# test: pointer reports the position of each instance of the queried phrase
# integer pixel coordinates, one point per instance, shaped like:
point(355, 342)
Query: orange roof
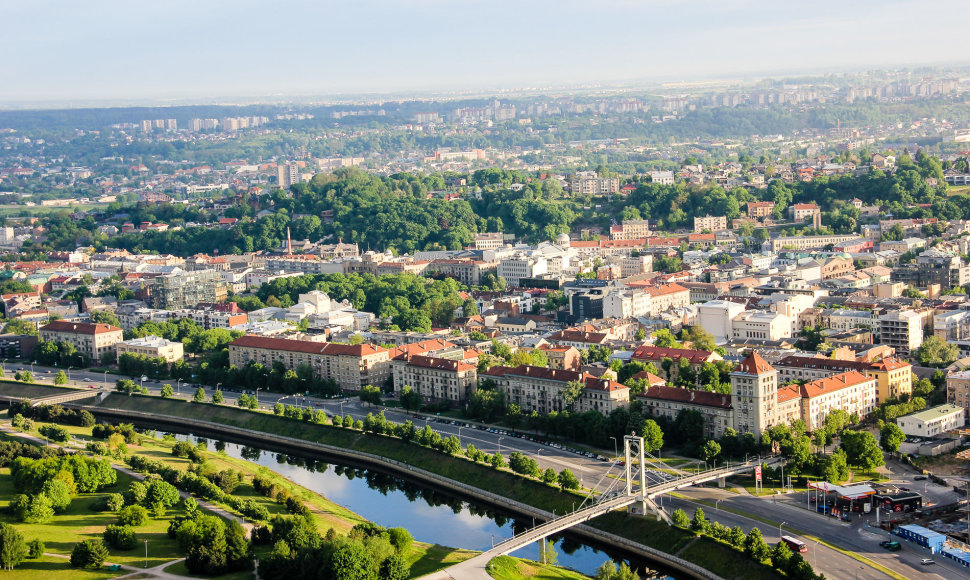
point(788, 393)
point(833, 383)
point(415, 348)
point(79, 327)
point(443, 364)
point(755, 365)
point(890, 364)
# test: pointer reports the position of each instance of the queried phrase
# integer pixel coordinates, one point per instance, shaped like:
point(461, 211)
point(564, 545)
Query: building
point(350, 366)
point(186, 289)
point(801, 212)
point(894, 378)
point(437, 379)
point(902, 330)
point(958, 389)
point(760, 209)
point(761, 325)
point(489, 240)
point(953, 325)
point(287, 174)
point(715, 408)
point(589, 183)
point(656, 355)
point(562, 357)
point(522, 265)
point(754, 393)
point(667, 297)
point(808, 242)
point(630, 230)
point(711, 223)
point(852, 392)
point(546, 390)
point(91, 340)
point(933, 421)
point(717, 317)
point(152, 347)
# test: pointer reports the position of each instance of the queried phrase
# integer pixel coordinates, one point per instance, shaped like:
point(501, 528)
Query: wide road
point(853, 536)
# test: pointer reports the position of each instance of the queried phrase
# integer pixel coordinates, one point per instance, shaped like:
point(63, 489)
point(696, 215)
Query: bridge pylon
point(633, 450)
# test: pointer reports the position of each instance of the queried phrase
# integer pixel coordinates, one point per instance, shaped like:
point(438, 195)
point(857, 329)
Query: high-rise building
point(187, 289)
point(754, 392)
point(287, 174)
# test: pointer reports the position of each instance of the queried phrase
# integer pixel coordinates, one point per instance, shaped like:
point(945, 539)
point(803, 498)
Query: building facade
point(92, 340)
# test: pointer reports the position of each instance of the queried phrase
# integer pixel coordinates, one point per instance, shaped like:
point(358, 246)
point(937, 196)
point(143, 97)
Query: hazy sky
point(125, 49)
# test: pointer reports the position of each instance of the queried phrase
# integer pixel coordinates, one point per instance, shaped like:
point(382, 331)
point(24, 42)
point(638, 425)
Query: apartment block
point(350, 366)
point(92, 340)
point(712, 223)
point(437, 379)
point(153, 347)
point(541, 389)
point(186, 289)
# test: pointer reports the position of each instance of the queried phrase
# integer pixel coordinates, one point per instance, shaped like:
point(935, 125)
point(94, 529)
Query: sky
point(113, 50)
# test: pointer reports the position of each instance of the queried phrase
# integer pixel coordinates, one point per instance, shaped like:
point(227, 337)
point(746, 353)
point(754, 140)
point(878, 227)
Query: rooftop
point(932, 413)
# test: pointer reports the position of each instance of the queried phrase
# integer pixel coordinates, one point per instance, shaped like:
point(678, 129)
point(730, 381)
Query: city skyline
point(113, 51)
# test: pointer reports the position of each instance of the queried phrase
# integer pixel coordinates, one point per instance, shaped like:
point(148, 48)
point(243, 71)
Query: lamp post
point(257, 397)
point(178, 387)
point(717, 503)
point(616, 448)
point(779, 529)
point(142, 385)
point(500, 445)
point(105, 382)
point(146, 553)
point(459, 434)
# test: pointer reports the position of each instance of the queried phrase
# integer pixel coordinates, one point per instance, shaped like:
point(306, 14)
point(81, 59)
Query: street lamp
point(142, 385)
point(257, 397)
point(500, 445)
point(779, 529)
point(459, 434)
point(178, 387)
point(105, 379)
point(146, 553)
point(616, 452)
point(716, 503)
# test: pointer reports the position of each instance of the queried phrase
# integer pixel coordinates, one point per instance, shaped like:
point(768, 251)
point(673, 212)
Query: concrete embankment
point(295, 446)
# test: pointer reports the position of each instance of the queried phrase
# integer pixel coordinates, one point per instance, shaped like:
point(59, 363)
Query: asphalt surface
point(859, 535)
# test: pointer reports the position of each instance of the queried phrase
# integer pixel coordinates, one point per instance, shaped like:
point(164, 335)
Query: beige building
point(152, 346)
point(350, 366)
point(852, 392)
point(808, 242)
point(540, 389)
point(709, 222)
point(958, 389)
point(754, 392)
point(488, 240)
point(437, 379)
point(761, 325)
point(715, 408)
point(894, 378)
point(92, 340)
point(630, 230)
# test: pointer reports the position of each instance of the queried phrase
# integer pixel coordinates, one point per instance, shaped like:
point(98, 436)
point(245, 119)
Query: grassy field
point(11, 388)
point(424, 558)
point(79, 522)
point(506, 568)
point(43, 568)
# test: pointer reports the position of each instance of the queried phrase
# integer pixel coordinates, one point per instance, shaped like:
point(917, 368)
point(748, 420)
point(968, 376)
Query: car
point(92, 387)
point(926, 562)
point(892, 546)
point(903, 488)
point(919, 478)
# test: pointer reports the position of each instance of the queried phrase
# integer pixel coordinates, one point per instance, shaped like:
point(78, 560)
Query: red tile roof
point(415, 348)
point(755, 365)
point(833, 383)
point(79, 327)
point(788, 393)
point(444, 364)
point(890, 364)
point(289, 345)
point(688, 396)
point(652, 353)
point(578, 336)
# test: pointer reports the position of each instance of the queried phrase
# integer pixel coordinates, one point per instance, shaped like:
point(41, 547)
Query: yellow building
point(894, 378)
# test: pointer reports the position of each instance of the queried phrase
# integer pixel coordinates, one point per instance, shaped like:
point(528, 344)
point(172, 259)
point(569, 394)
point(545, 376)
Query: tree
point(351, 561)
point(370, 394)
point(653, 437)
point(571, 392)
point(862, 449)
point(24, 376)
point(13, 549)
point(755, 546)
point(167, 392)
point(199, 396)
point(35, 549)
point(89, 554)
point(937, 352)
point(411, 400)
point(699, 522)
point(120, 537)
point(60, 378)
point(55, 433)
point(58, 493)
point(133, 515)
point(549, 476)
point(394, 567)
point(710, 450)
point(217, 397)
point(680, 518)
point(890, 437)
point(567, 480)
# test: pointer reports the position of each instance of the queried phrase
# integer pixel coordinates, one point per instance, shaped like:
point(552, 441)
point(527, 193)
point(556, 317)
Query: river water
point(431, 516)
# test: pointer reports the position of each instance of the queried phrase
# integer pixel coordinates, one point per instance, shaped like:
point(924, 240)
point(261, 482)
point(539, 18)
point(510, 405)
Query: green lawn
point(43, 568)
point(79, 523)
point(506, 568)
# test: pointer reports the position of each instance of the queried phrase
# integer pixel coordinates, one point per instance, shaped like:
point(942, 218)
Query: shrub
point(133, 515)
point(35, 549)
point(88, 554)
point(55, 433)
point(120, 537)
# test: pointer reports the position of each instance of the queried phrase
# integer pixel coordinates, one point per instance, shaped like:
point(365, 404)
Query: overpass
point(73, 395)
point(475, 568)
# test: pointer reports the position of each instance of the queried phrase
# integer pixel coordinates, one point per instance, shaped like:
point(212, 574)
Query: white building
point(522, 265)
point(717, 317)
point(761, 325)
point(933, 421)
point(902, 330)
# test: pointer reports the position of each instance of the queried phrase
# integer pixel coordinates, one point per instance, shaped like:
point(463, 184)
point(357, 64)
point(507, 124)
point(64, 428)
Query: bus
point(794, 545)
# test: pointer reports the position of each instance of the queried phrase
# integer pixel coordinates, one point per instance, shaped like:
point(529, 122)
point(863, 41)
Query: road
point(853, 536)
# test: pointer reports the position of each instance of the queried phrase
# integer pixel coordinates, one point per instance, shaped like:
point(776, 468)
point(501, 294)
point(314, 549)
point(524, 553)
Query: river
point(431, 516)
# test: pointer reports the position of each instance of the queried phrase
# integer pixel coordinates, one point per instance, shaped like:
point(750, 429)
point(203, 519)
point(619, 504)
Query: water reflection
point(430, 515)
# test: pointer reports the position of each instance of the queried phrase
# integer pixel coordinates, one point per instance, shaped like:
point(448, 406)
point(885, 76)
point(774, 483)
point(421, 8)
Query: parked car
point(892, 546)
point(919, 478)
point(926, 562)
